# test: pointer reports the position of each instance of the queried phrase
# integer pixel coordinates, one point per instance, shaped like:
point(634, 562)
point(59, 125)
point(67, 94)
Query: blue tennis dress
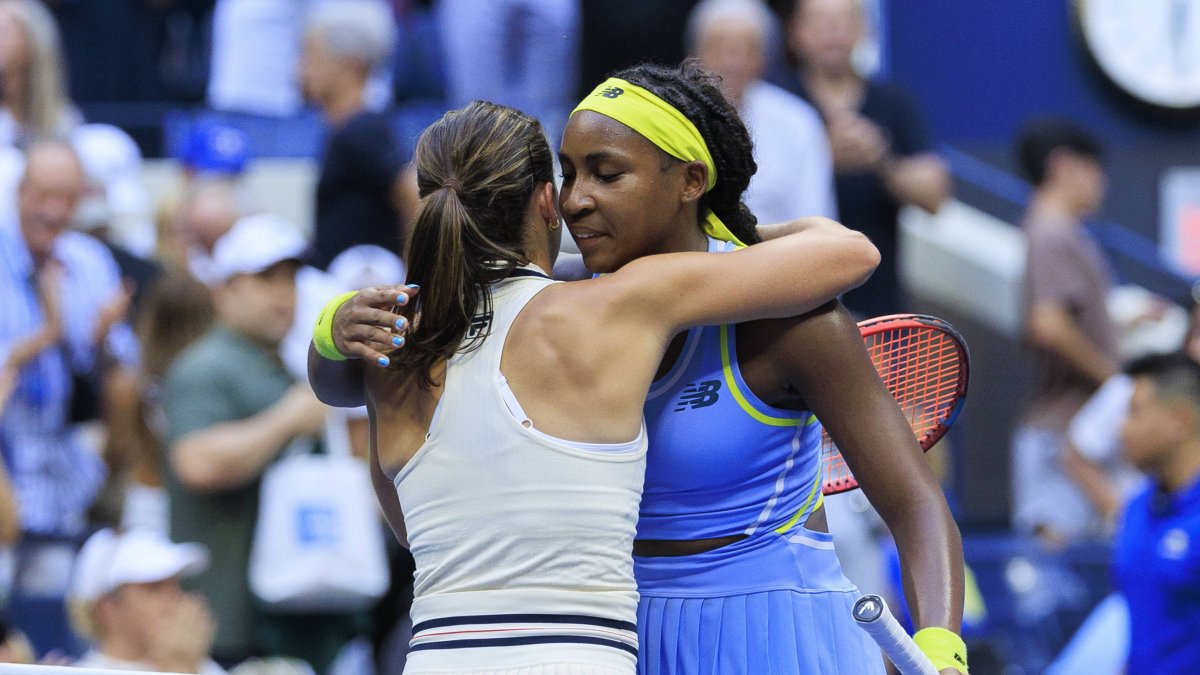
point(724, 463)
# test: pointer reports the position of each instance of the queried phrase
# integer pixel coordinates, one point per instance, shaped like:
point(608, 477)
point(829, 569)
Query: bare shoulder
point(577, 327)
point(789, 357)
point(402, 406)
point(579, 371)
point(796, 335)
point(559, 316)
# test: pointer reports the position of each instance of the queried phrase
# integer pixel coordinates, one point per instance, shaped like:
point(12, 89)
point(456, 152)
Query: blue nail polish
point(401, 323)
point(398, 341)
point(413, 286)
point(402, 299)
point(383, 361)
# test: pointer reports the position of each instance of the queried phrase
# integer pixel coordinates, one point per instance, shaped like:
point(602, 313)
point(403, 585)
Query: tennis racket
point(871, 614)
point(923, 362)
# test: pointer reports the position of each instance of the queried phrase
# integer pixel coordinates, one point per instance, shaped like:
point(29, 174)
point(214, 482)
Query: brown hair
point(177, 310)
point(477, 170)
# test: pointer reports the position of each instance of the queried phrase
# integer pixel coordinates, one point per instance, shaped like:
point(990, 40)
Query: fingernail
point(383, 361)
point(398, 341)
point(401, 299)
point(401, 323)
point(413, 286)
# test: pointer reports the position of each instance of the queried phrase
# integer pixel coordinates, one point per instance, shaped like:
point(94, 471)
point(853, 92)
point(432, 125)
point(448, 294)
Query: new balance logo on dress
point(698, 395)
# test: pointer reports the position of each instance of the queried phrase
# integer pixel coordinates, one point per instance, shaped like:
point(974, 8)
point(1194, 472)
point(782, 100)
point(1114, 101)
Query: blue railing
point(1118, 241)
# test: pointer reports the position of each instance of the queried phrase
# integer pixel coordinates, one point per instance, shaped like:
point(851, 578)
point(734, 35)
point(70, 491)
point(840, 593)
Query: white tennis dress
point(522, 541)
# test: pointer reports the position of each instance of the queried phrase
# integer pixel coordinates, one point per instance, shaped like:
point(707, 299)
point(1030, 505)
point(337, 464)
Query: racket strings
point(923, 368)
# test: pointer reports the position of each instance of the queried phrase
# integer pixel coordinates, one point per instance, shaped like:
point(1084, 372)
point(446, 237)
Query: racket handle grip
point(872, 615)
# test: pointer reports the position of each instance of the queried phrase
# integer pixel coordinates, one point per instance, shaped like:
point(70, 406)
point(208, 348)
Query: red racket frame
point(925, 365)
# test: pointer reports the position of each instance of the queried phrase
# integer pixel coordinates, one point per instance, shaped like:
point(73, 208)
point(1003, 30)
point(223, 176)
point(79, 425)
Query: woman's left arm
point(389, 502)
point(824, 359)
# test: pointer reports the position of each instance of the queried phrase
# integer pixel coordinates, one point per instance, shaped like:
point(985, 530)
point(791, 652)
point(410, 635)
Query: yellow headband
point(664, 126)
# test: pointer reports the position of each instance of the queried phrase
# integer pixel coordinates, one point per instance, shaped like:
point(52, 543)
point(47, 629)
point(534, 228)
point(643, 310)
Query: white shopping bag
point(318, 545)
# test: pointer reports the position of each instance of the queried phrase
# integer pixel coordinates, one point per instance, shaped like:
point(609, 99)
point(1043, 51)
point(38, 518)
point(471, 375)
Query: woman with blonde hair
point(32, 75)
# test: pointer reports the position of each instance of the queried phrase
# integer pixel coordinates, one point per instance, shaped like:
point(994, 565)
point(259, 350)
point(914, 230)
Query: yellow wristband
point(944, 648)
point(323, 330)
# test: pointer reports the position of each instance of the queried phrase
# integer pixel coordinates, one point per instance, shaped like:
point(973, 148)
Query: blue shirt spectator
point(55, 475)
point(1158, 570)
point(61, 321)
point(1157, 556)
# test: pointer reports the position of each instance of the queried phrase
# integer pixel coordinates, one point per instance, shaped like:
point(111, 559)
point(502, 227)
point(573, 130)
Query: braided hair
point(694, 91)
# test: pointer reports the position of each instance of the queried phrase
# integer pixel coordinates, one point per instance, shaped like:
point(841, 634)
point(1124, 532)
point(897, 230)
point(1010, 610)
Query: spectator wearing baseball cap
point(256, 244)
point(126, 597)
point(231, 407)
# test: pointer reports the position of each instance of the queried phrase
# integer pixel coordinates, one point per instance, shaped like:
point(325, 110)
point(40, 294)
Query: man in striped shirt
point(62, 311)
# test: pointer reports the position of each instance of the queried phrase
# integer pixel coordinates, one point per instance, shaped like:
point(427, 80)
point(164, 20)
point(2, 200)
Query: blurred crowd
point(153, 345)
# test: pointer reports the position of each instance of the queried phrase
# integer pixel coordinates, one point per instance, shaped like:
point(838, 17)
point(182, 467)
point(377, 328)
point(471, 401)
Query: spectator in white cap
point(126, 597)
point(231, 407)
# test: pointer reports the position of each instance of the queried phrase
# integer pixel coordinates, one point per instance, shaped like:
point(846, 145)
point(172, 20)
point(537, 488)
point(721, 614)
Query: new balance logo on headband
point(611, 92)
point(698, 395)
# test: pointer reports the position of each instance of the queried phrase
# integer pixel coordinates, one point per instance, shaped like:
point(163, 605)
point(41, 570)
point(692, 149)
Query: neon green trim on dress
point(731, 382)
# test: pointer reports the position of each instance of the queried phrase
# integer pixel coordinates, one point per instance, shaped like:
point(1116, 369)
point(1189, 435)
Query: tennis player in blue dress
point(734, 564)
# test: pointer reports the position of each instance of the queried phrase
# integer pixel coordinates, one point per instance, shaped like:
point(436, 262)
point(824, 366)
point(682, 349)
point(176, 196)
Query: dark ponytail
point(477, 170)
point(695, 92)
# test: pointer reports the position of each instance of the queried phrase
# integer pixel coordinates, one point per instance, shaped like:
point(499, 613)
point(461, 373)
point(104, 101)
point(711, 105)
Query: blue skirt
point(769, 604)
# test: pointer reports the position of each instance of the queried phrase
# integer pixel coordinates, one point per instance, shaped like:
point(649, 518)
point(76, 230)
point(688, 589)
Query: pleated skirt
point(770, 604)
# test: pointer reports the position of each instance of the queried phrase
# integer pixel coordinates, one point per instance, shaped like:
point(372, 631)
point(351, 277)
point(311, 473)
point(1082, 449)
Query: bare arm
point(827, 362)
point(783, 277)
point(920, 179)
point(336, 383)
point(231, 454)
point(364, 328)
point(1093, 480)
point(35, 343)
point(389, 501)
point(122, 409)
point(50, 334)
point(1050, 327)
point(10, 514)
point(769, 231)
point(790, 275)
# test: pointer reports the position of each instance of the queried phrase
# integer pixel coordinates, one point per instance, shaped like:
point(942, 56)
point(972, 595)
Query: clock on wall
point(1150, 49)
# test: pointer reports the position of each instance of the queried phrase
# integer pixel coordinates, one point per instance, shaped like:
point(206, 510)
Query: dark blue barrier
point(1035, 598)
